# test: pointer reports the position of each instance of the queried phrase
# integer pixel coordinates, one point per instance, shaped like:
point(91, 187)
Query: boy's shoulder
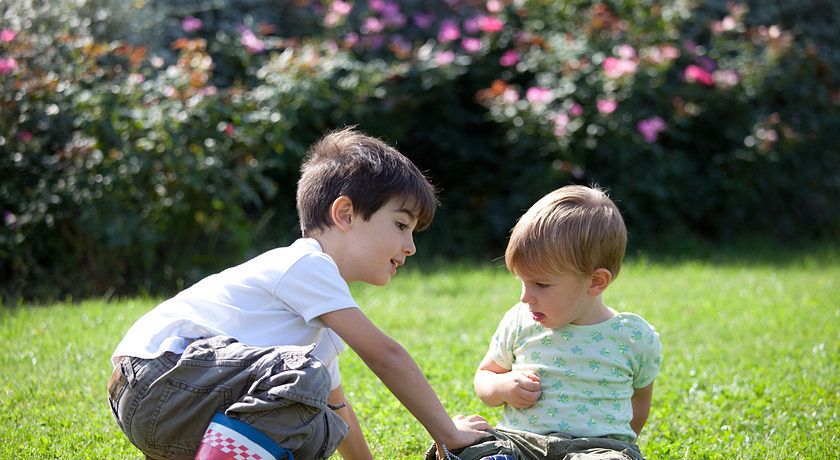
point(629, 318)
point(304, 254)
point(633, 324)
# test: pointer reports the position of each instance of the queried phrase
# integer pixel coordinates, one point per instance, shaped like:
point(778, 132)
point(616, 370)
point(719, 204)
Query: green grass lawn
point(751, 354)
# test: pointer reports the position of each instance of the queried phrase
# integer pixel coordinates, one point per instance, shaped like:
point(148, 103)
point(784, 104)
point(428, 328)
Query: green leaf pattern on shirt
point(588, 373)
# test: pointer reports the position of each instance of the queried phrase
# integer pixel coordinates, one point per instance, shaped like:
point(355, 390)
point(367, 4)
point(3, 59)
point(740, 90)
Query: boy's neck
point(595, 315)
point(331, 246)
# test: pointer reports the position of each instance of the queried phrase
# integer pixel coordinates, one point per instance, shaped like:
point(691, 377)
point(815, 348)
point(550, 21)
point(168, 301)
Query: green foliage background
point(137, 156)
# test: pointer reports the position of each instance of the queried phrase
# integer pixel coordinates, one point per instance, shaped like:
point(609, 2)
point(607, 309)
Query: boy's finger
point(531, 386)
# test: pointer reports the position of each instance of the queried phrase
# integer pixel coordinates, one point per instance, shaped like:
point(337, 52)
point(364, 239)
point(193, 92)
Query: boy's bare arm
point(354, 446)
point(398, 371)
point(641, 401)
point(496, 385)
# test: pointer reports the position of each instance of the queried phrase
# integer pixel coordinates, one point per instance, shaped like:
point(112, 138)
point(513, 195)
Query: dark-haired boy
point(245, 345)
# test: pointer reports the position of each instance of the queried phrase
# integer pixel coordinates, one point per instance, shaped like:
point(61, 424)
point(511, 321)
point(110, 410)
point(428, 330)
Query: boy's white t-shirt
point(273, 299)
point(587, 373)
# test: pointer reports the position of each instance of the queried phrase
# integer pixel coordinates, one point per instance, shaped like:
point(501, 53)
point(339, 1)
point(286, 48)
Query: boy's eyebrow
point(406, 211)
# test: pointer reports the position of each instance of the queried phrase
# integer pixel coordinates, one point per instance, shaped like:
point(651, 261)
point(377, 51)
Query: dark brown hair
point(365, 169)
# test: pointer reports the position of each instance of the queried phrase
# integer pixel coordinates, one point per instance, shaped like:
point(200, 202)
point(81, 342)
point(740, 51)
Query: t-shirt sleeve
point(501, 344)
point(650, 359)
point(313, 286)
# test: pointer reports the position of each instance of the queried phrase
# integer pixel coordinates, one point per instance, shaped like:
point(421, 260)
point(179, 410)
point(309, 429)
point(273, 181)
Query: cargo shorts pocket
point(182, 416)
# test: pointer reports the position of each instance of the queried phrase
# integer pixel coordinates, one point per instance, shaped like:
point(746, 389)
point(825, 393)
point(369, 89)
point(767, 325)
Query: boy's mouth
point(538, 317)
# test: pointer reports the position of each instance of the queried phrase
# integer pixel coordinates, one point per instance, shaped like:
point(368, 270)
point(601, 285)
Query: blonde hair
point(572, 229)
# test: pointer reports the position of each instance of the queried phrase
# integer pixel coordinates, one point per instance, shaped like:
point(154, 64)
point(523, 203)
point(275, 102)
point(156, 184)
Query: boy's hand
point(469, 429)
point(521, 389)
point(496, 385)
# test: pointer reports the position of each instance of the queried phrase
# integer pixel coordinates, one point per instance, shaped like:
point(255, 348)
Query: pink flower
point(135, 78)
point(449, 31)
point(7, 65)
point(377, 5)
point(9, 219)
point(471, 24)
point(341, 8)
point(490, 24)
point(510, 96)
point(444, 58)
point(471, 45)
point(606, 106)
point(576, 110)
point(494, 6)
point(626, 52)
point(389, 9)
point(24, 136)
point(191, 24)
point(616, 68)
point(229, 129)
point(560, 121)
point(697, 74)
point(251, 43)
point(373, 25)
point(509, 58)
point(662, 53)
point(332, 19)
point(7, 35)
point(538, 95)
point(651, 127)
point(726, 78)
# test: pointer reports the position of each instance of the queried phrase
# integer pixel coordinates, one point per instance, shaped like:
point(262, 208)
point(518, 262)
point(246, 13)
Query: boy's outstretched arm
point(641, 401)
point(354, 446)
point(398, 371)
point(496, 385)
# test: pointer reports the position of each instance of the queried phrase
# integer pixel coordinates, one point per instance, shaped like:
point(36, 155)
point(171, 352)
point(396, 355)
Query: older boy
point(575, 376)
point(248, 358)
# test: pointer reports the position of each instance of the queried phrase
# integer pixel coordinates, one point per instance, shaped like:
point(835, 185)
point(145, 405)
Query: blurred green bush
point(145, 144)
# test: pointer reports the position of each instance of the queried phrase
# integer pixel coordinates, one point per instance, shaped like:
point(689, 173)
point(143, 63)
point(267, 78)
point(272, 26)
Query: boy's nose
point(526, 296)
point(410, 249)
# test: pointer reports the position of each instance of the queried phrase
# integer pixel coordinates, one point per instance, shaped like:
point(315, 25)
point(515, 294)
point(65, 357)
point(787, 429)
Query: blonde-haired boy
point(575, 376)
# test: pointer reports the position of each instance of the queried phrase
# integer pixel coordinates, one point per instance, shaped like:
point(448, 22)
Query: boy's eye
point(402, 226)
point(541, 285)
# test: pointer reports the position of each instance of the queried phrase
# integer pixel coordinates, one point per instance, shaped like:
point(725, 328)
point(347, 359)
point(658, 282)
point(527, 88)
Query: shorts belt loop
point(128, 371)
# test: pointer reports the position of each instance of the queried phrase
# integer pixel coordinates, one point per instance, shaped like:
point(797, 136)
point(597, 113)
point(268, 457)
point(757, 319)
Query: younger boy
point(575, 376)
point(247, 358)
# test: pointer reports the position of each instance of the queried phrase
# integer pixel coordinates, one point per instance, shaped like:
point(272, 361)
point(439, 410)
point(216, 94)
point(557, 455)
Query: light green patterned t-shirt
point(587, 373)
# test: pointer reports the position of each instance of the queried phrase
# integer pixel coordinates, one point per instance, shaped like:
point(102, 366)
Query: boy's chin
point(381, 281)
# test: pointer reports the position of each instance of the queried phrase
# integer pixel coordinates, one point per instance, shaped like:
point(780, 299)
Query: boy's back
point(273, 299)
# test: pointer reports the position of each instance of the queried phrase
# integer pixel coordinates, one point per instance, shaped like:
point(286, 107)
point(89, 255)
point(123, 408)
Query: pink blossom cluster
point(651, 127)
point(191, 24)
point(7, 64)
point(251, 42)
point(625, 64)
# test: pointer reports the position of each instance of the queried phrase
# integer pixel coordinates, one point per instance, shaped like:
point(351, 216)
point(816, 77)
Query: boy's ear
point(599, 281)
point(341, 212)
